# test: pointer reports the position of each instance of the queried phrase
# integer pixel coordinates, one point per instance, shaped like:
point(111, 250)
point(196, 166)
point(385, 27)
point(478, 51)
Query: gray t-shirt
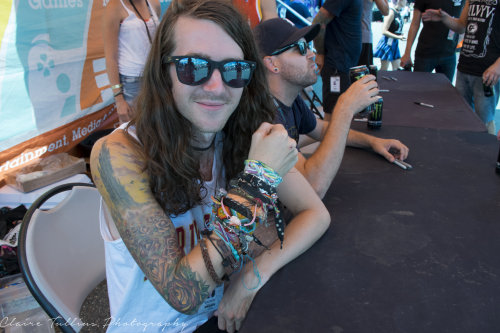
point(366, 22)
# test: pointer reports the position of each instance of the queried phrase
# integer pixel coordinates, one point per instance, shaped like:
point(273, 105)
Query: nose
point(215, 82)
point(311, 55)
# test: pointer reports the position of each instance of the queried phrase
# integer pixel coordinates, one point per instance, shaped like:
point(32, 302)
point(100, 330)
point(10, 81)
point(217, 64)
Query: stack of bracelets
point(117, 86)
point(234, 222)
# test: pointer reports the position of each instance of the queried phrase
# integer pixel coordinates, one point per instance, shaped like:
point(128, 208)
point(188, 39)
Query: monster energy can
point(356, 73)
point(375, 117)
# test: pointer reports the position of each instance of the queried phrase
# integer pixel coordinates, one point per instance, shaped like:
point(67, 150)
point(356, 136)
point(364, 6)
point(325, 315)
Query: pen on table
point(424, 104)
point(402, 165)
point(387, 78)
point(393, 78)
point(383, 90)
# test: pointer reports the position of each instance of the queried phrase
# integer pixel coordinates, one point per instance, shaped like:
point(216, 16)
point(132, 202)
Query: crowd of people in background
point(211, 114)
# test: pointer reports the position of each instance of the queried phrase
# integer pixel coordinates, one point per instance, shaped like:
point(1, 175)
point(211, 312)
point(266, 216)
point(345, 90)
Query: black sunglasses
point(303, 46)
point(194, 71)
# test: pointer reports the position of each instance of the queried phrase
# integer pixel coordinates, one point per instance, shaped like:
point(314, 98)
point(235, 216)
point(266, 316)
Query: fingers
point(490, 78)
point(230, 325)
point(272, 146)
point(403, 150)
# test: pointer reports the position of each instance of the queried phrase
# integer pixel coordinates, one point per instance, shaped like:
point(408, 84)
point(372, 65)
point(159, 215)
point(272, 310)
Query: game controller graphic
point(54, 82)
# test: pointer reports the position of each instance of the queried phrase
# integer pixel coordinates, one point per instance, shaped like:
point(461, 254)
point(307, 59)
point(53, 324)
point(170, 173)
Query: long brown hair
point(165, 135)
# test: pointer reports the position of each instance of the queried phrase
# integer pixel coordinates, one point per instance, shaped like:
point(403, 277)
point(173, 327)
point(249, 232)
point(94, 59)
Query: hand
point(406, 60)
point(360, 94)
point(402, 37)
point(492, 74)
point(236, 301)
point(272, 145)
point(320, 61)
point(123, 110)
point(434, 15)
point(383, 146)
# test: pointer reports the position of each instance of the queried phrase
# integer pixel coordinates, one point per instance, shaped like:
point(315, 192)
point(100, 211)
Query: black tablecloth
point(407, 251)
point(449, 112)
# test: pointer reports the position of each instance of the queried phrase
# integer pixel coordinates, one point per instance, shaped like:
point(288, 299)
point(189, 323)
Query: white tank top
point(135, 304)
point(133, 42)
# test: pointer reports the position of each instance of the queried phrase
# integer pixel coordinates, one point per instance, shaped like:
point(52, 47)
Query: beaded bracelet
point(208, 262)
point(263, 171)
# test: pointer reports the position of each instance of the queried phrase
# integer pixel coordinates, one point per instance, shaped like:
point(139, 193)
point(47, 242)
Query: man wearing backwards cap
point(290, 68)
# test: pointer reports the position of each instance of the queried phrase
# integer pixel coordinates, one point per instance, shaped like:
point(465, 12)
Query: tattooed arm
point(147, 232)
point(150, 236)
point(322, 18)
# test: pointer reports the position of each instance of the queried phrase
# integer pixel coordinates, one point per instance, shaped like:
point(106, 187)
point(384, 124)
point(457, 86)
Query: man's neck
point(283, 91)
point(202, 140)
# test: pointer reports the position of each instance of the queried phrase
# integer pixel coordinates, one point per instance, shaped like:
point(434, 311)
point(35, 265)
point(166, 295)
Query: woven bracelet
point(208, 262)
point(229, 262)
point(263, 172)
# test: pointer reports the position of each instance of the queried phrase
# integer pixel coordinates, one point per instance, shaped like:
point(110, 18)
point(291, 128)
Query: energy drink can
point(375, 117)
point(488, 91)
point(373, 70)
point(356, 73)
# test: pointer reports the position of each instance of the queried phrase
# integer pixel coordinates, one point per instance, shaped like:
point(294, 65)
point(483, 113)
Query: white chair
point(61, 253)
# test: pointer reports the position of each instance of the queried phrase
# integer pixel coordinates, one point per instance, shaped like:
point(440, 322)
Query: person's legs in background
point(447, 66)
point(384, 65)
point(424, 64)
point(471, 88)
point(395, 64)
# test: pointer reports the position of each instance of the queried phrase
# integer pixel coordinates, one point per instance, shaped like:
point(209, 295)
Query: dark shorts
point(330, 98)
point(366, 57)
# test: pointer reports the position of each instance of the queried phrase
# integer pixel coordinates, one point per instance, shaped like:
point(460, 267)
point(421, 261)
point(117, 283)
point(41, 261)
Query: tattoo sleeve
point(148, 233)
point(322, 18)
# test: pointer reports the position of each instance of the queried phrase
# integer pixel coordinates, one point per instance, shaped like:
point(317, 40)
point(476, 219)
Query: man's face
point(209, 105)
point(298, 69)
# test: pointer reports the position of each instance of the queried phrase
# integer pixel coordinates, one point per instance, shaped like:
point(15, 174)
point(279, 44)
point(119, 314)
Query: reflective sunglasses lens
point(302, 47)
point(237, 74)
point(193, 71)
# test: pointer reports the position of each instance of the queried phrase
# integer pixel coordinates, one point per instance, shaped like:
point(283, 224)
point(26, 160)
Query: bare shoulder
point(118, 172)
point(114, 11)
point(156, 6)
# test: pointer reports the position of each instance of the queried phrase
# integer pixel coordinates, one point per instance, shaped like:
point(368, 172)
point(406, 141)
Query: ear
point(271, 63)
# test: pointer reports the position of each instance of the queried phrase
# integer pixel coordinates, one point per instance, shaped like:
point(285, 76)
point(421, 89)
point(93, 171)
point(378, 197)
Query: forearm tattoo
point(147, 232)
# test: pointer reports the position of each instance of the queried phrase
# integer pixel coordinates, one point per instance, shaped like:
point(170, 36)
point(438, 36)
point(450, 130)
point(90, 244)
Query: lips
point(211, 105)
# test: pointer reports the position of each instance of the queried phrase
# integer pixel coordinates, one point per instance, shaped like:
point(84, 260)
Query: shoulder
point(115, 153)
point(114, 11)
point(156, 6)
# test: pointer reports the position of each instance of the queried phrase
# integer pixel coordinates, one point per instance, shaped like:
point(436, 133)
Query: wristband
point(208, 262)
point(116, 86)
point(118, 93)
point(263, 171)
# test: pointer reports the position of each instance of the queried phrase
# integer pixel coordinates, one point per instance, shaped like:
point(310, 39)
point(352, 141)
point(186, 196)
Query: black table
point(449, 112)
point(408, 251)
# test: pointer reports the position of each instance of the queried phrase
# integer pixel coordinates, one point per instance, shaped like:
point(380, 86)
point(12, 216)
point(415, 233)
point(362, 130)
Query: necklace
point(143, 20)
point(205, 148)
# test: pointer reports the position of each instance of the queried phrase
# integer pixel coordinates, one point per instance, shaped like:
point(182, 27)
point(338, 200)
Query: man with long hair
point(290, 68)
point(200, 156)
